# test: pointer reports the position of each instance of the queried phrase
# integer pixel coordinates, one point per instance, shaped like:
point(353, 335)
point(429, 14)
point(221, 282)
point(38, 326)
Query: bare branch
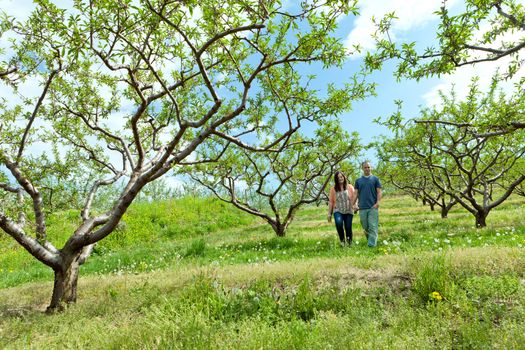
point(8, 188)
point(46, 256)
point(510, 17)
point(33, 115)
point(493, 58)
point(35, 195)
point(5, 73)
point(84, 214)
point(459, 125)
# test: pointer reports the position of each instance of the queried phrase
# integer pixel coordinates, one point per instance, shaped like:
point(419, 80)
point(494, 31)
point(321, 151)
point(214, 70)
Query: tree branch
point(33, 115)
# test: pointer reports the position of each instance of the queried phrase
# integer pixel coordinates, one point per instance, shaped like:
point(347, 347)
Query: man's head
point(367, 168)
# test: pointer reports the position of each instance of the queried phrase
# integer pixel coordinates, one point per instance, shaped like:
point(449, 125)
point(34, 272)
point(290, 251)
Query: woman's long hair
point(337, 186)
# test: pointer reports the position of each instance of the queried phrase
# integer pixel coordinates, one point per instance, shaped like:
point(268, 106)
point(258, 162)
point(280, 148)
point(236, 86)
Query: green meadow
point(195, 273)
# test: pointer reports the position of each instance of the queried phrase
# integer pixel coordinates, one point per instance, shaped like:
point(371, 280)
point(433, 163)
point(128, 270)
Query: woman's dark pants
point(343, 224)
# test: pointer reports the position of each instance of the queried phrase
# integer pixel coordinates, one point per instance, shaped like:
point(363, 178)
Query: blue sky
point(416, 22)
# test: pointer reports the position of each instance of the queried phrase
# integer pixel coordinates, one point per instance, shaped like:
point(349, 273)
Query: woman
point(340, 205)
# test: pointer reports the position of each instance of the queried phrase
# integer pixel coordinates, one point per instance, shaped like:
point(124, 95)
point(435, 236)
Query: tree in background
point(128, 90)
point(274, 185)
point(463, 161)
point(517, 170)
point(406, 173)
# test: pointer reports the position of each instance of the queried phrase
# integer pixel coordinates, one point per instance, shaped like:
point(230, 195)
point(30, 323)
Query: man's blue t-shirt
point(367, 187)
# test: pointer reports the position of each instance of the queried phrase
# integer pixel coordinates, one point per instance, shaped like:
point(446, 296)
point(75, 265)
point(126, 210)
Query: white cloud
point(19, 9)
point(462, 77)
point(30, 88)
point(411, 14)
point(173, 182)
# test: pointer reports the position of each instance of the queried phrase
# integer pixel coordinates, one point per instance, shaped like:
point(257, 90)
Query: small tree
point(407, 173)
point(131, 89)
point(273, 186)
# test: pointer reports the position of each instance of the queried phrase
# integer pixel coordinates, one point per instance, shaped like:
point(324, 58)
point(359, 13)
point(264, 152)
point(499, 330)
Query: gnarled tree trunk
point(481, 218)
point(279, 227)
point(65, 285)
point(444, 212)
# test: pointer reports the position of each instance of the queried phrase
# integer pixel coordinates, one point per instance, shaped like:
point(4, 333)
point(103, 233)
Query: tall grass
point(431, 283)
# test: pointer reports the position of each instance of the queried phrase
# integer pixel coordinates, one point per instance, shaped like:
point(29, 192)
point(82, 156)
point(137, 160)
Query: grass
point(169, 283)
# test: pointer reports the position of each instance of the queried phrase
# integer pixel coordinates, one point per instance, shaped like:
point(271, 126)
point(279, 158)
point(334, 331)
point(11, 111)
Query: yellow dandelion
point(436, 296)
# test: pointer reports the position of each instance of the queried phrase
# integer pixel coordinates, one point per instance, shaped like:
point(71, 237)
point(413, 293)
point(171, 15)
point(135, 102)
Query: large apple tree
point(122, 92)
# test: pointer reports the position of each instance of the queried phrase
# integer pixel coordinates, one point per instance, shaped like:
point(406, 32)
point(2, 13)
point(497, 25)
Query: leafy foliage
point(485, 30)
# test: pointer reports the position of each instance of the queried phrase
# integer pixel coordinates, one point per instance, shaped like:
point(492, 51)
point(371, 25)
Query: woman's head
point(340, 181)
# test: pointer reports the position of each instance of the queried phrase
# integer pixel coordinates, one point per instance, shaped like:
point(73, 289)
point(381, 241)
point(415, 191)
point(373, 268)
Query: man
point(368, 192)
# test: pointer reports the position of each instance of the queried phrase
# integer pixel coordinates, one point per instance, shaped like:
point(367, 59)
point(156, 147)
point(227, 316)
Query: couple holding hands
point(344, 200)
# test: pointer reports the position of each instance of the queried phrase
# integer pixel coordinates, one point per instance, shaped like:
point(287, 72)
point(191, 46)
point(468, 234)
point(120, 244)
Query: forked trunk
point(65, 287)
point(279, 228)
point(481, 219)
point(281, 232)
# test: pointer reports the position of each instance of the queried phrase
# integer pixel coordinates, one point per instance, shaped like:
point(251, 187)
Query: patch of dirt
point(363, 278)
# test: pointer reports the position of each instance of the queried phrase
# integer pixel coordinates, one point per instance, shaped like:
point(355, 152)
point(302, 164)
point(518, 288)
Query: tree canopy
point(483, 31)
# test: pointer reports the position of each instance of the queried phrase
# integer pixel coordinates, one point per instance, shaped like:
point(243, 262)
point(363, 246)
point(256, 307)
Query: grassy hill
point(194, 273)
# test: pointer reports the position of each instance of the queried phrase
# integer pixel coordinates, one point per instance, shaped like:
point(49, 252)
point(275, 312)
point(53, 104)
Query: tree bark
point(481, 218)
point(65, 286)
point(444, 212)
point(279, 228)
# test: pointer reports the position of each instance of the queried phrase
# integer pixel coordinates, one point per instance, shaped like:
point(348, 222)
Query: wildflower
point(436, 296)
